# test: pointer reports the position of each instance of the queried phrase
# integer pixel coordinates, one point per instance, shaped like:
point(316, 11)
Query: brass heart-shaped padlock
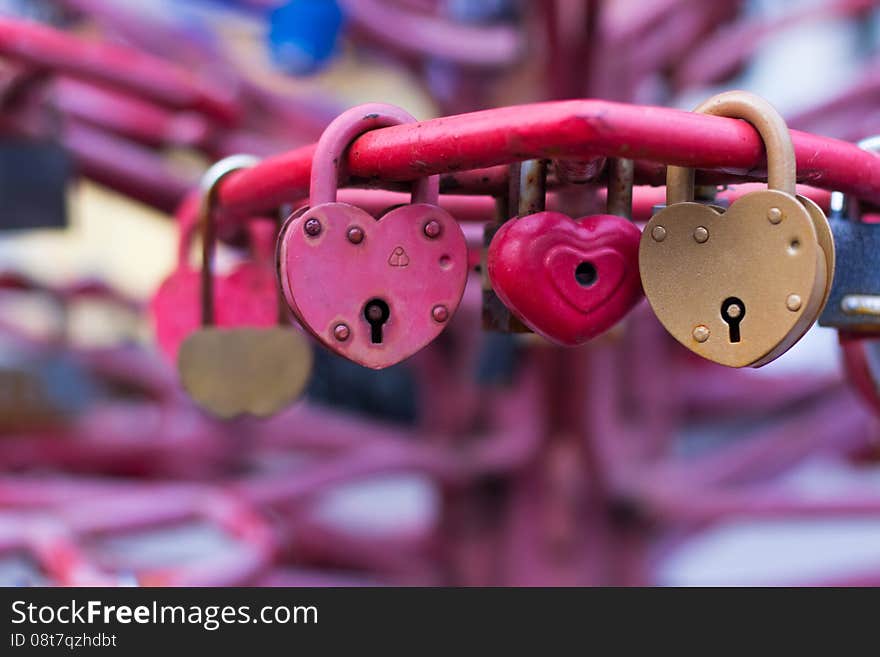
point(739, 287)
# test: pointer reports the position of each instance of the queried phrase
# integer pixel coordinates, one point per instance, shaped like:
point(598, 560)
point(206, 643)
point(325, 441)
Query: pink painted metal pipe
point(157, 506)
point(117, 66)
point(129, 116)
point(566, 129)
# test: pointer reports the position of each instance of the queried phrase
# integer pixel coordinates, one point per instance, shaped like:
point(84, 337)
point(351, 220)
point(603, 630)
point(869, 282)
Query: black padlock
point(854, 303)
point(34, 177)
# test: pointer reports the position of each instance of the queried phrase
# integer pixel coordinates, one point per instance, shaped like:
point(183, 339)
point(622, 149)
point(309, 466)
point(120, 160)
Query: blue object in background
point(483, 12)
point(303, 34)
point(67, 385)
point(41, 387)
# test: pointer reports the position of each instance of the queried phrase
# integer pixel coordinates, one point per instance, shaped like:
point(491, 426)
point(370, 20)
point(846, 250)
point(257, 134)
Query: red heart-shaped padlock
point(566, 279)
point(247, 295)
point(373, 291)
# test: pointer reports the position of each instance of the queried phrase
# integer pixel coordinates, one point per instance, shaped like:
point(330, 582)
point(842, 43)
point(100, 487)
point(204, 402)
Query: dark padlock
point(34, 179)
point(854, 303)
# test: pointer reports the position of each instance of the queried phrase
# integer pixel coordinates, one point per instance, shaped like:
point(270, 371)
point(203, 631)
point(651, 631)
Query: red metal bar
point(130, 116)
point(567, 129)
point(120, 67)
point(124, 166)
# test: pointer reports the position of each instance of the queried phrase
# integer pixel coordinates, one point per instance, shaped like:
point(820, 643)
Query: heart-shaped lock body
point(247, 294)
point(697, 264)
point(373, 291)
point(742, 286)
point(568, 280)
point(244, 370)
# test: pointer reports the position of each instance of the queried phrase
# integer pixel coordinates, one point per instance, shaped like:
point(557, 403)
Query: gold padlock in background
point(739, 287)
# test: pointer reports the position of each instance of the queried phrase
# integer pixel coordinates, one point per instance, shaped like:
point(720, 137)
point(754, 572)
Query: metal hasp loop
point(208, 185)
point(781, 161)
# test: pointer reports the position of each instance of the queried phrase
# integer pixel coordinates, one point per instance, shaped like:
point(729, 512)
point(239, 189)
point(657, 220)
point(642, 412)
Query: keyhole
point(585, 274)
point(732, 311)
point(376, 312)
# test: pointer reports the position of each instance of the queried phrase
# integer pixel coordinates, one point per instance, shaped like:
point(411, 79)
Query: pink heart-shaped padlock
point(373, 291)
point(568, 280)
point(246, 296)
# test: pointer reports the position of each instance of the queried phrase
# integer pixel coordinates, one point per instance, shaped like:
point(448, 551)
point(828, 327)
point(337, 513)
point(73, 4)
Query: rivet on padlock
point(240, 370)
point(854, 303)
point(741, 286)
point(373, 291)
point(570, 279)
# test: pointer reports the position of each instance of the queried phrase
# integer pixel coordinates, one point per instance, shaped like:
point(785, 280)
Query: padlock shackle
point(781, 161)
point(338, 136)
point(188, 217)
point(208, 186)
point(528, 182)
point(619, 197)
